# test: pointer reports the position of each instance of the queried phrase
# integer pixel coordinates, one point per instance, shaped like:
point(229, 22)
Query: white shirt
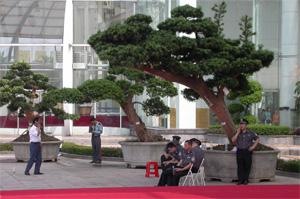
point(33, 134)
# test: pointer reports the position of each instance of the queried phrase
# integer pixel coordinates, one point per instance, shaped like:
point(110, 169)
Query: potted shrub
point(207, 63)
point(123, 90)
point(21, 90)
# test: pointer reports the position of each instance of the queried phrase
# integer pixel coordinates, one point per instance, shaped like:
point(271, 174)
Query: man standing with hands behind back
point(96, 129)
point(245, 141)
point(35, 148)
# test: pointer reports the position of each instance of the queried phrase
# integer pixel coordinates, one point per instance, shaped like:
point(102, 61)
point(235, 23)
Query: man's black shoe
point(92, 161)
point(39, 173)
point(27, 174)
point(245, 182)
point(239, 183)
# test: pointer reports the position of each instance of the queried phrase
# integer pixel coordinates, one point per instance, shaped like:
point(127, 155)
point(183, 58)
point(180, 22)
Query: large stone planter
point(139, 153)
point(296, 139)
point(185, 134)
point(222, 165)
point(50, 150)
point(270, 140)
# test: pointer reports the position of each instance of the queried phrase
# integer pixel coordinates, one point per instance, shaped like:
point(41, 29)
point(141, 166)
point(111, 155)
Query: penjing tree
point(188, 49)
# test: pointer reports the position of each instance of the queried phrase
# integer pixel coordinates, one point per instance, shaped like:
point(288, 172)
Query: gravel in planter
point(25, 137)
point(260, 147)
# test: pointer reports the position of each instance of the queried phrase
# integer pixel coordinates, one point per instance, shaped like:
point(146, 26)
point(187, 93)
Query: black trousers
point(96, 146)
point(166, 177)
point(244, 162)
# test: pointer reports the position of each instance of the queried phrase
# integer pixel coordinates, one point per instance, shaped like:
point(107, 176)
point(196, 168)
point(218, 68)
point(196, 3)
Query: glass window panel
point(31, 19)
point(46, 60)
point(91, 16)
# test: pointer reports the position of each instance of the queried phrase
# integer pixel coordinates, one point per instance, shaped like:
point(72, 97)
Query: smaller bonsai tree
point(18, 90)
point(297, 96)
point(132, 83)
point(241, 102)
point(22, 91)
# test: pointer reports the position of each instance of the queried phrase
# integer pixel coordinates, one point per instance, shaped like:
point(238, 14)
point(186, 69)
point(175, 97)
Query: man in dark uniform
point(198, 153)
point(96, 129)
point(187, 160)
point(245, 141)
point(179, 148)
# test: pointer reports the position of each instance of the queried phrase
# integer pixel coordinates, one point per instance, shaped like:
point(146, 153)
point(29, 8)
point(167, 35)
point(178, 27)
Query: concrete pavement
point(79, 173)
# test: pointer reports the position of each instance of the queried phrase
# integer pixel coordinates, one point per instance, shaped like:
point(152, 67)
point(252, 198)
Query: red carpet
point(261, 191)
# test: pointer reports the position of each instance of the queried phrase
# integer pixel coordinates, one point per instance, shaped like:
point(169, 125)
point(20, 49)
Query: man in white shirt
point(35, 148)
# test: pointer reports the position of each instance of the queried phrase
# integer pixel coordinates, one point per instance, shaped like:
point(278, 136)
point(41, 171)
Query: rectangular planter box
point(50, 150)
point(222, 165)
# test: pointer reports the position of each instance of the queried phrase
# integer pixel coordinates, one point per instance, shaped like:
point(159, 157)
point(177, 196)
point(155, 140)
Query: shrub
point(72, 148)
point(260, 129)
point(235, 108)
point(251, 119)
point(6, 147)
point(288, 165)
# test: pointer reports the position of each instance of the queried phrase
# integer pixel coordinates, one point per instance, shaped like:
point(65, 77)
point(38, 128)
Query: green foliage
point(243, 99)
point(253, 95)
point(246, 29)
point(133, 82)
point(100, 89)
point(260, 129)
point(172, 55)
point(297, 93)
point(6, 147)
point(227, 61)
point(72, 148)
point(220, 10)
point(235, 108)
point(18, 90)
point(288, 165)
point(155, 106)
point(251, 119)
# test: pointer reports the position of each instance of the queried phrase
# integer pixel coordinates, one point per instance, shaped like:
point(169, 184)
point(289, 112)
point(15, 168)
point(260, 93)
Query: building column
point(288, 58)
point(67, 69)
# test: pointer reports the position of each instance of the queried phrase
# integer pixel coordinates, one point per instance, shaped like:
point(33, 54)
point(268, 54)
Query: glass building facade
point(51, 35)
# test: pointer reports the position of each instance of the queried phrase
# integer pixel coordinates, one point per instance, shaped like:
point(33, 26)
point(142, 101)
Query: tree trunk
point(138, 125)
point(215, 101)
point(223, 116)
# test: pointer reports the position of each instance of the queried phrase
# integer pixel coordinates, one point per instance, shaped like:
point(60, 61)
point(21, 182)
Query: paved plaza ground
point(79, 173)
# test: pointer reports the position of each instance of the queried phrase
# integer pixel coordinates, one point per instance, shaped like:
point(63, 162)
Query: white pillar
point(68, 61)
point(288, 58)
point(185, 110)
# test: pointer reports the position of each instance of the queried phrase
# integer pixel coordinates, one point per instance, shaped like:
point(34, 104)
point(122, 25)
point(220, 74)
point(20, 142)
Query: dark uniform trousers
point(35, 156)
point(96, 146)
point(244, 162)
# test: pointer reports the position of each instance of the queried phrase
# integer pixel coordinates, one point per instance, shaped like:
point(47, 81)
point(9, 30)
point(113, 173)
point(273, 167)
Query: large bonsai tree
point(189, 49)
point(21, 90)
point(130, 83)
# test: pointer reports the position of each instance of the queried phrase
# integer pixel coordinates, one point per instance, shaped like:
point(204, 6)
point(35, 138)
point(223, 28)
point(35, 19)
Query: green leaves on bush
point(288, 165)
point(235, 108)
point(260, 129)
point(72, 148)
